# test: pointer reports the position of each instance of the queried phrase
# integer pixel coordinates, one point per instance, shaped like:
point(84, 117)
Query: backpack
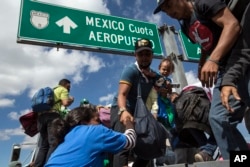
point(192, 106)
point(151, 135)
point(43, 99)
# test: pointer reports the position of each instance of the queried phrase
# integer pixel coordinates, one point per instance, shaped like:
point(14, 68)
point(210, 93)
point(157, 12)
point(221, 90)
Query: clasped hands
point(126, 118)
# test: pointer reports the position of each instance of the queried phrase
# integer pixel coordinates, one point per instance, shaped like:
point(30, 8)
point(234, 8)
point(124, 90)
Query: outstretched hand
point(226, 91)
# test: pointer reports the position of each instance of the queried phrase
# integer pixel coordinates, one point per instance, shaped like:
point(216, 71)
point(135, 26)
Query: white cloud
point(29, 142)
point(7, 133)
point(25, 66)
point(157, 19)
point(4, 136)
point(13, 115)
point(99, 6)
point(191, 77)
point(107, 99)
point(6, 102)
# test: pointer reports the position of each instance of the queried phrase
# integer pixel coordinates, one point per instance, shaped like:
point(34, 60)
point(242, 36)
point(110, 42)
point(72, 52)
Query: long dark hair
point(77, 116)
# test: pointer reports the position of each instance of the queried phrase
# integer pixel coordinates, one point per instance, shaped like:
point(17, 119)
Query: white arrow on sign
point(67, 23)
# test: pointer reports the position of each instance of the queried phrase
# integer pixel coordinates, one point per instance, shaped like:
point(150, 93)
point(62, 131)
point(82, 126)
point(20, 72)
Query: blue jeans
point(223, 123)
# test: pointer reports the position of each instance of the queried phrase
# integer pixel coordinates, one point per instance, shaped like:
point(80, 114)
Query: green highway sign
point(51, 25)
point(191, 50)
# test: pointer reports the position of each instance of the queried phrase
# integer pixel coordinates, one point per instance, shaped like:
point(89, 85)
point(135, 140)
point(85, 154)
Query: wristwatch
point(121, 110)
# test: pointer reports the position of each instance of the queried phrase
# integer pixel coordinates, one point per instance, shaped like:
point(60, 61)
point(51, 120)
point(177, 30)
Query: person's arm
point(238, 66)
point(129, 133)
point(238, 63)
point(124, 88)
point(68, 101)
point(230, 32)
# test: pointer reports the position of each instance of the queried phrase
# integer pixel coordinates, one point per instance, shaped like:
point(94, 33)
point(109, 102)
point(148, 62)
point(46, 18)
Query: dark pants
point(46, 138)
point(192, 137)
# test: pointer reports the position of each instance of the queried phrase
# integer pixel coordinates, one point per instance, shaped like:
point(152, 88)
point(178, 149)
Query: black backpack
point(151, 135)
point(192, 106)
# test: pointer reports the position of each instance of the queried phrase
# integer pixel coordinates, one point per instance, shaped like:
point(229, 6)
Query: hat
point(84, 102)
point(143, 44)
point(158, 8)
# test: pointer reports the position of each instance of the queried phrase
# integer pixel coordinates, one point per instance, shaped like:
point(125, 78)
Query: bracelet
point(121, 110)
point(214, 61)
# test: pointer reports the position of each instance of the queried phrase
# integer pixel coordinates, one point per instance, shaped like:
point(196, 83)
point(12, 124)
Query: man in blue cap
point(123, 105)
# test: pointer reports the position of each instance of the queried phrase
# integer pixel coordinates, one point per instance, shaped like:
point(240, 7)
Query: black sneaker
point(203, 156)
